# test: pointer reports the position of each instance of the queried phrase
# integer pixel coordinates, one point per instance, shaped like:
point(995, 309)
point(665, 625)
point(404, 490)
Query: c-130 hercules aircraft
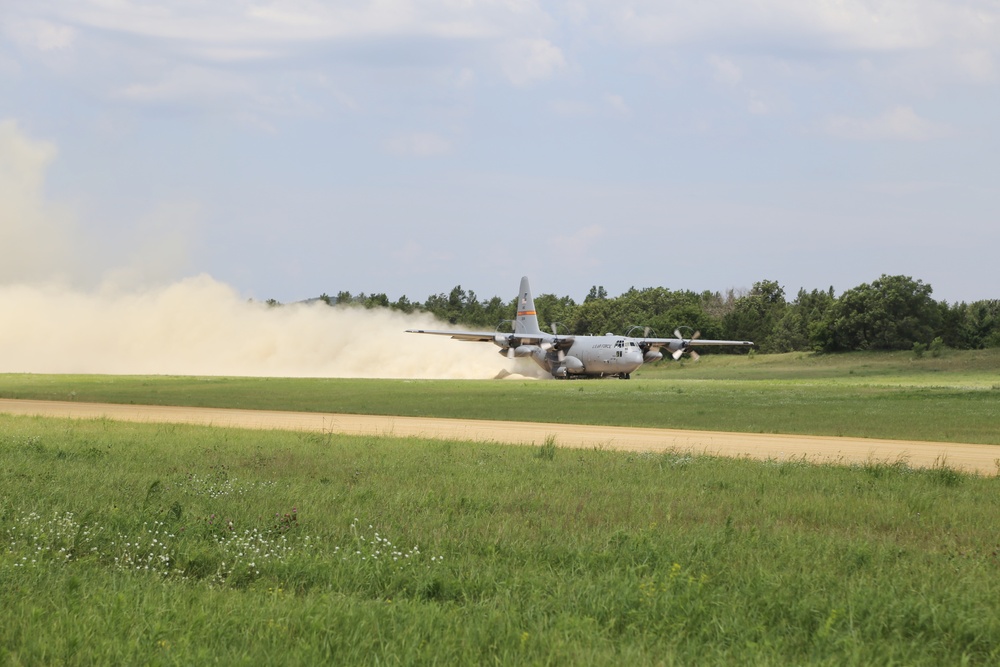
point(566, 356)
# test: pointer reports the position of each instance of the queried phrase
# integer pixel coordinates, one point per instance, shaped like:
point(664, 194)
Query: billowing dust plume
point(63, 310)
point(199, 326)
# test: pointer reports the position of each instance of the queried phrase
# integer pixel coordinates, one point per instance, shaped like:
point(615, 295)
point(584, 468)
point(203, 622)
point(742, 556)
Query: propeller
point(505, 341)
point(685, 346)
point(548, 345)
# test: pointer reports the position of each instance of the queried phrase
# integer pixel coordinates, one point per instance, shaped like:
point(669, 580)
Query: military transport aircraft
point(566, 356)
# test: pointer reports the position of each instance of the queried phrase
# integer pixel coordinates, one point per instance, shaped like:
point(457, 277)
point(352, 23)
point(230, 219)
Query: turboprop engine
point(568, 366)
point(527, 351)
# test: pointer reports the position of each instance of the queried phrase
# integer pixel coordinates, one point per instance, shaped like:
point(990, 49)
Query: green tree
point(376, 301)
point(403, 304)
point(805, 319)
point(458, 306)
point(552, 309)
point(596, 292)
point(496, 310)
point(892, 313)
point(594, 316)
point(971, 326)
point(755, 317)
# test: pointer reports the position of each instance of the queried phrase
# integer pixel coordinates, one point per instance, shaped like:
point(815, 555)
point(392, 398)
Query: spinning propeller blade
point(548, 345)
point(685, 346)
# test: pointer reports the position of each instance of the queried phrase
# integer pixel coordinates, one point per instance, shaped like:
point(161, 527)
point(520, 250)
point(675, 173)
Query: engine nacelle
point(652, 355)
point(503, 340)
point(568, 366)
point(527, 350)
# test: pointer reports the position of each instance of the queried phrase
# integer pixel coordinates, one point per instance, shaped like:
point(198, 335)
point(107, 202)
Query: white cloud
point(527, 61)
point(900, 124)
point(824, 24)
point(913, 45)
point(254, 25)
point(170, 51)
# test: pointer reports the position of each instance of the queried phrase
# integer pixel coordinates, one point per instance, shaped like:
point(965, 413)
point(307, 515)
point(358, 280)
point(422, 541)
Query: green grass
point(163, 544)
point(953, 398)
point(961, 369)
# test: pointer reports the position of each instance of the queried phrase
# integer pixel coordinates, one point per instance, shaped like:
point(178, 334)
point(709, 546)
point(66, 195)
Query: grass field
point(161, 544)
point(955, 398)
point(145, 544)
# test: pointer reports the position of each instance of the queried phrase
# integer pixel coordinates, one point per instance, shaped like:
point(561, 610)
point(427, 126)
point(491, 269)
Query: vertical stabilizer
point(527, 319)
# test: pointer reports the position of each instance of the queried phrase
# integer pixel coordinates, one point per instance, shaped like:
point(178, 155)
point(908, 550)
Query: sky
point(287, 148)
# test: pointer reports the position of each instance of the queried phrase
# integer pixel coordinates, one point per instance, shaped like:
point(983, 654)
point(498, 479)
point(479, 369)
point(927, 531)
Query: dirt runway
point(982, 459)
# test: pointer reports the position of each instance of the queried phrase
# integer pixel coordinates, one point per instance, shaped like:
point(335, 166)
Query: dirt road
point(982, 459)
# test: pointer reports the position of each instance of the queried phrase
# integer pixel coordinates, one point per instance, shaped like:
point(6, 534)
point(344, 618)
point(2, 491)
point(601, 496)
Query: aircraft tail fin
point(527, 319)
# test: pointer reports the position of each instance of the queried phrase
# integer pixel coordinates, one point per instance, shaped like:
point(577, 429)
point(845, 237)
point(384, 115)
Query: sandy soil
point(982, 459)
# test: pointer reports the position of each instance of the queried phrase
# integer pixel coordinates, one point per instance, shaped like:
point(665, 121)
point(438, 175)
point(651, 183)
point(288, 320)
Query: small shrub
point(919, 349)
point(937, 347)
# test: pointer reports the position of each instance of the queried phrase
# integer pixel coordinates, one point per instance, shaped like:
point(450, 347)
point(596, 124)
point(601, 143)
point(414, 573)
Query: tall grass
point(130, 544)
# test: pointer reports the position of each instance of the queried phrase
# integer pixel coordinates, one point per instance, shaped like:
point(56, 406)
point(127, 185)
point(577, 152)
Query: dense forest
point(891, 313)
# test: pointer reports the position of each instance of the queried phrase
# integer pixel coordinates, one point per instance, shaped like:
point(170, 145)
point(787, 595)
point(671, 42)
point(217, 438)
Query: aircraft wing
point(674, 342)
point(495, 336)
point(472, 336)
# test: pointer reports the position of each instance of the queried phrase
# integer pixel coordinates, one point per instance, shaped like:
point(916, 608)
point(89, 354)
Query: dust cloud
point(64, 310)
point(199, 326)
point(36, 239)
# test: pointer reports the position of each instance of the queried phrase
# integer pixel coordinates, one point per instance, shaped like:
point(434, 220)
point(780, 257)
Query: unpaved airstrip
point(982, 459)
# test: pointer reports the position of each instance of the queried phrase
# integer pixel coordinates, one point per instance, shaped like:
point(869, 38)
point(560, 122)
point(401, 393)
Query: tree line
point(891, 313)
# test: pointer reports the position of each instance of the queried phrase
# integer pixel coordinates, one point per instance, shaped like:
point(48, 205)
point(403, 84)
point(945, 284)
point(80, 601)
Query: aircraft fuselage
point(596, 356)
